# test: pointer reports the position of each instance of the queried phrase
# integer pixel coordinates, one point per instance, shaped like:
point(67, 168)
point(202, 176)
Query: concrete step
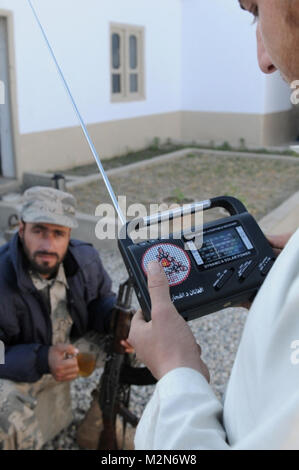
point(8, 185)
point(284, 218)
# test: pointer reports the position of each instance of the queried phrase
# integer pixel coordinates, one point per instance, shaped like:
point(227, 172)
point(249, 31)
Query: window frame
point(125, 31)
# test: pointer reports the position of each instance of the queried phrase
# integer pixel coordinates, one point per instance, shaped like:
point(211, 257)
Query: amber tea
point(86, 363)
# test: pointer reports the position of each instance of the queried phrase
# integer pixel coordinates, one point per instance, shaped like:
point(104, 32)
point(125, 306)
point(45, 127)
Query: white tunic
point(261, 406)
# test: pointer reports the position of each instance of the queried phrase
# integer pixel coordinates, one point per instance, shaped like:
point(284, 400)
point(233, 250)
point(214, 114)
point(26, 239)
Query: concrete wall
point(225, 96)
point(220, 71)
point(79, 33)
point(202, 80)
point(67, 147)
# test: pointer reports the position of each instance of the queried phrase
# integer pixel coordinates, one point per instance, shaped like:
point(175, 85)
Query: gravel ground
point(261, 184)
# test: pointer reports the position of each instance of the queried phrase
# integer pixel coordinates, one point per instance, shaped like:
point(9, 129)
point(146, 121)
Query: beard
point(43, 267)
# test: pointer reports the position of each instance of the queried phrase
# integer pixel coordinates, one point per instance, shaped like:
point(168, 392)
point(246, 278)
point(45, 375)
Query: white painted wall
point(79, 33)
point(220, 68)
point(199, 56)
point(277, 95)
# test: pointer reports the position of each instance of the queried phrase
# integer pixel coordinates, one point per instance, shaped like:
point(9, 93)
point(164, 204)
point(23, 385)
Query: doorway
point(7, 166)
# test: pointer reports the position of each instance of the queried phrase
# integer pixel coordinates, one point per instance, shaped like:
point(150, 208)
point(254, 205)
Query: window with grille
point(127, 63)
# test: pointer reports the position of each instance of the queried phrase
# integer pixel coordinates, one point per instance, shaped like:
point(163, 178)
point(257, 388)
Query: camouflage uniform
point(19, 427)
point(54, 292)
point(27, 421)
point(19, 423)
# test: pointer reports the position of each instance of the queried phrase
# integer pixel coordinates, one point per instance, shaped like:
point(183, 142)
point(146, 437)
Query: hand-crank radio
point(228, 268)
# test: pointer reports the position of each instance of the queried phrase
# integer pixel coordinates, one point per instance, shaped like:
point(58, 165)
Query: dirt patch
point(261, 184)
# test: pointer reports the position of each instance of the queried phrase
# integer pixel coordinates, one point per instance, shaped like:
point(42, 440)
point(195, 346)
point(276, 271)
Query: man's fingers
point(137, 322)
point(127, 346)
point(138, 318)
point(245, 305)
point(276, 241)
point(68, 377)
point(70, 363)
point(157, 285)
point(279, 241)
point(61, 347)
point(68, 350)
point(276, 252)
point(71, 350)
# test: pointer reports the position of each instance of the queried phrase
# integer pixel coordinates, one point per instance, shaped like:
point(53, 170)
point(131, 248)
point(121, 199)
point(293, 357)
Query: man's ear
point(21, 229)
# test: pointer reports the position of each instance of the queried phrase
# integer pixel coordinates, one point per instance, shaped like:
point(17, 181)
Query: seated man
point(53, 290)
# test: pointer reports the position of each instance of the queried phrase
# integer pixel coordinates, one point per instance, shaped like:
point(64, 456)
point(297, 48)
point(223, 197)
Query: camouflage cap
point(49, 206)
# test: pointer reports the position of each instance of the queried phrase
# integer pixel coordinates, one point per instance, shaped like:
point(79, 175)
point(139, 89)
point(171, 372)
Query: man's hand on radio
point(166, 342)
point(278, 242)
point(127, 346)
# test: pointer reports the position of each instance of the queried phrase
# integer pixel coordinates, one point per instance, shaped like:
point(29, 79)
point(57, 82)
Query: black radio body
point(227, 270)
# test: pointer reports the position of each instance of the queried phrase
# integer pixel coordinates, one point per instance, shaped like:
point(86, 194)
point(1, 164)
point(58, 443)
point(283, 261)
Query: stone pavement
point(284, 218)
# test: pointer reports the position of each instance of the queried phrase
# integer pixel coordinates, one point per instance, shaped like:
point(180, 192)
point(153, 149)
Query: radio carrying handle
point(229, 203)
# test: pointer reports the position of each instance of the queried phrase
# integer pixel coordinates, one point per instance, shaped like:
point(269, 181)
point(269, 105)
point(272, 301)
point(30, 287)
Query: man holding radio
point(261, 405)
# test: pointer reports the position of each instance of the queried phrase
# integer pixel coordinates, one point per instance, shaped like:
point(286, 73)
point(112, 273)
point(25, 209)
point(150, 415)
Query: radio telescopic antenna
point(85, 131)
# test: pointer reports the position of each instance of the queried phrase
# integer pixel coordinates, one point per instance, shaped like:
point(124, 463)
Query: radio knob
point(266, 266)
point(223, 278)
point(246, 269)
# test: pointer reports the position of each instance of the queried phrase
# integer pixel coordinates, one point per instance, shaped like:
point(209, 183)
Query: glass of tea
point(86, 362)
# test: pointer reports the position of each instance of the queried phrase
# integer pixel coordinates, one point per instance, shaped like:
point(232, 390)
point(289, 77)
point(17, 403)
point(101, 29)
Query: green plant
point(225, 146)
point(192, 155)
point(155, 144)
point(178, 195)
point(242, 143)
point(128, 151)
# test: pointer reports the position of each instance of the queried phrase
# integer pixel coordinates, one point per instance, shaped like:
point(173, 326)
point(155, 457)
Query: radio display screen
point(228, 242)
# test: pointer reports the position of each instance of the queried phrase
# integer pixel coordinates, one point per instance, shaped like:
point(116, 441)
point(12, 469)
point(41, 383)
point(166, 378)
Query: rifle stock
point(112, 398)
point(119, 374)
point(108, 440)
